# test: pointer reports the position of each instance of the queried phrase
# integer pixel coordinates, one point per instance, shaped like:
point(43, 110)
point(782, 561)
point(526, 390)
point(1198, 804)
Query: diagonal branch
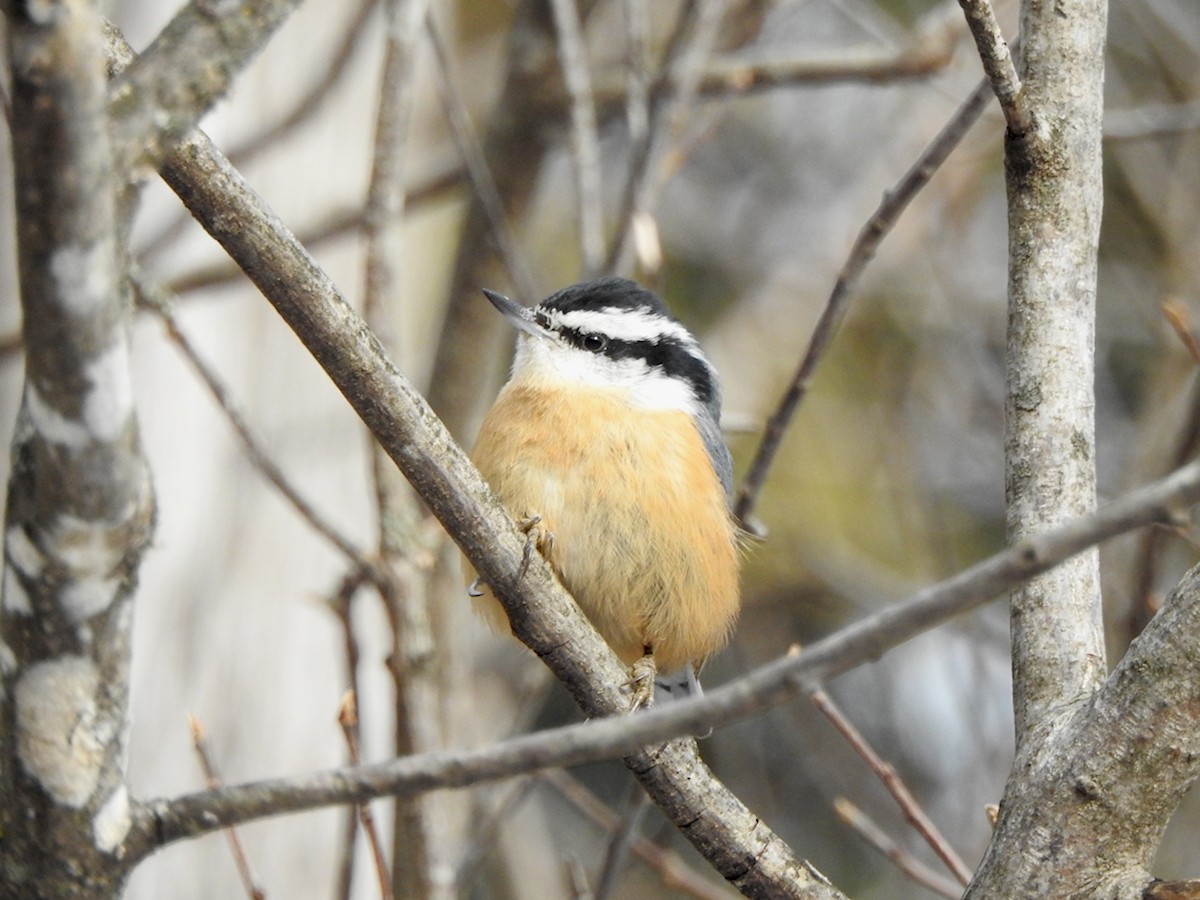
point(877, 227)
point(190, 65)
point(542, 614)
point(997, 63)
point(164, 821)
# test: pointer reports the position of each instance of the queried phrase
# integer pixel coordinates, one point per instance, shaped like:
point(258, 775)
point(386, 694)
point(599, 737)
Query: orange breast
point(642, 534)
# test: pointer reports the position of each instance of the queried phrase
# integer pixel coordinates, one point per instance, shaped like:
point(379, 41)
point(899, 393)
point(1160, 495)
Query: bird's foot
point(641, 682)
point(537, 537)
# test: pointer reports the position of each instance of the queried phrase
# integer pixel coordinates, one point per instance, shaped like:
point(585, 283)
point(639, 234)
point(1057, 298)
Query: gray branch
point(543, 615)
point(80, 506)
point(190, 65)
point(164, 821)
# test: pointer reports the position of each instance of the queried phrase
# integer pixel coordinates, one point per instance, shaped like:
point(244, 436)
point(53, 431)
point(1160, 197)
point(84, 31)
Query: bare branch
point(739, 76)
point(636, 74)
point(348, 719)
point(886, 773)
point(419, 838)
point(80, 503)
point(342, 602)
point(318, 94)
point(997, 63)
point(870, 832)
point(188, 67)
point(1055, 197)
point(1111, 775)
point(213, 779)
point(478, 170)
point(585, 144)
point(152, 297)
point(164, 821)
point(877, 227)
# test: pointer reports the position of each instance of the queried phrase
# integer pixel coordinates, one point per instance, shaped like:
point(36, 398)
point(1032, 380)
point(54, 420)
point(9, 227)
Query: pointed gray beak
point(520, 317)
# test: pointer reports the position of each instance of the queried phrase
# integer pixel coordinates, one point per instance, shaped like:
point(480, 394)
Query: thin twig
point(687, 52)
point(997, 63)
point(877, 227)
point(886, 772)
point(1146, 597)
point(1180, 320)
point(585, 143)
point(478, 171)
point(620, 841)
point(318, 94)
point(159, 823)
point(155, 299)
point(905, 861)
point(342, 603)
point(416, 841)
point(739, 76)
point(635, 71)
point(348, 719)
point(488, 822)
point(673, 871)
point(213, 779)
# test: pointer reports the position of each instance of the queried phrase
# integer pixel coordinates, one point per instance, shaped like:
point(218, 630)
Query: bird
point(605, 445)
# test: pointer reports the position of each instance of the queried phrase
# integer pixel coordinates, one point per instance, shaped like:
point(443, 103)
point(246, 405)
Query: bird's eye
point(594, 342)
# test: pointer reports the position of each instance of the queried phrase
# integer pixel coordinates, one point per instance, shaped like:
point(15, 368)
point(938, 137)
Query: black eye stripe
point(667, 354)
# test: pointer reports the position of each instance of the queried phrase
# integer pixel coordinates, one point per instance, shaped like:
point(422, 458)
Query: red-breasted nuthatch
point(607, 440)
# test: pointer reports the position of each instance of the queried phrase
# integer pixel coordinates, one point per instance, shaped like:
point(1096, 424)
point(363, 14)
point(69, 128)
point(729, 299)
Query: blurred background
point(890, 479)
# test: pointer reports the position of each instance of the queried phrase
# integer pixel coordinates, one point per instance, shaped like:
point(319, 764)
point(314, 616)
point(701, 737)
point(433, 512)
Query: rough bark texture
point(80, 506)
point(1055, 195)
point(1100, 764)
point(1084, 820)
point(734, 840)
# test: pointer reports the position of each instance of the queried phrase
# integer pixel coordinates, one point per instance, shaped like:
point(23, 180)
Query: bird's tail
point(677, 685)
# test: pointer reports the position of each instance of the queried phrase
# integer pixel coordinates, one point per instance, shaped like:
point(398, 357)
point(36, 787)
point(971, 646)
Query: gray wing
point(709, 426)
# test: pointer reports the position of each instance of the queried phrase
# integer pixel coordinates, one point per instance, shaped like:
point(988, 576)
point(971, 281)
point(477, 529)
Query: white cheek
point(551, 362)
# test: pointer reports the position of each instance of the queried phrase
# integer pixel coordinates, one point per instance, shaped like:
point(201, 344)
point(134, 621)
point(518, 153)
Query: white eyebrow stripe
point(624, 325)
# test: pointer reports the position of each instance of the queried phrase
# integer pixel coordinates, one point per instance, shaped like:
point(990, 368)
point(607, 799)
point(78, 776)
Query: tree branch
point(1055, 194)
point(585, 145)
point(997, 63)
point(80, 503)
point(421, 837)
point(159, 99)
point(164, 821)
point(870, 236)
point(542, 614)
point(1096, 805)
